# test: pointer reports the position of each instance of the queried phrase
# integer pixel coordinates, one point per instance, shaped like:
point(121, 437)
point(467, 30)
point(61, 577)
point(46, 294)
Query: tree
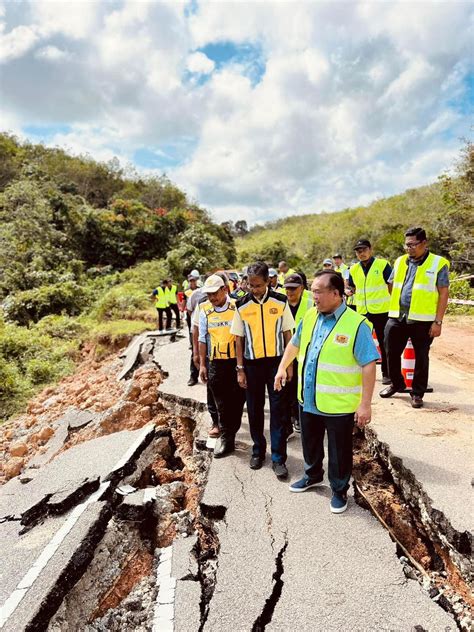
point(241, 228)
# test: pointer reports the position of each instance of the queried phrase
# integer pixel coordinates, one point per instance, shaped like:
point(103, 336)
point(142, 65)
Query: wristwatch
point(239, 367)
point(438, 322)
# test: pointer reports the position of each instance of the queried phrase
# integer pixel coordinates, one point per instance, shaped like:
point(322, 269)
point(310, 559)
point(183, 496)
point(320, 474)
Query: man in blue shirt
point(328, 292)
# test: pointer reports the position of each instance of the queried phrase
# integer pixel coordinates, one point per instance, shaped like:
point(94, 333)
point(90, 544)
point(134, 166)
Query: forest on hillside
point(82, 245)
point(445, 209)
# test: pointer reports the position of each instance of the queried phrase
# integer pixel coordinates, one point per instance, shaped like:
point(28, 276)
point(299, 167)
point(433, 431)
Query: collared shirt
point(287, 323)
point(365, 352)
point(442, 280)
point(194, 299)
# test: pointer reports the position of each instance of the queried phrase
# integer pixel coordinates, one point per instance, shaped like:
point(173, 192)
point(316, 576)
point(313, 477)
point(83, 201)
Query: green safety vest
point(372, 295)
point(424, 298)
point(161, 298)
point(171, 294)
point(342, 268)
point(282, 275)
point(338, 376)
point(306, 303)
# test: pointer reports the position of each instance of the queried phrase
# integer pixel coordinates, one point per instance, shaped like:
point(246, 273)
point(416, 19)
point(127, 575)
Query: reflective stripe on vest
point(161, 298)
point(263, 327)
point(424, 298)
point(222, 342)
point(338, 388)
point(372, 295)
point(306, 303)
point(171, 294)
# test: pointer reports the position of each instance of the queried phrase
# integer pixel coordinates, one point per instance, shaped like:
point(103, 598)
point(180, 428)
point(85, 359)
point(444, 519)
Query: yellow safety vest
point(161, 299)
point(338, 376)
point(282, 276)
point(263, 325)
point(306, 303)
point(171, 293)
point(341, 269)
point(424, 298)
point(372, 295)
point(218, 327)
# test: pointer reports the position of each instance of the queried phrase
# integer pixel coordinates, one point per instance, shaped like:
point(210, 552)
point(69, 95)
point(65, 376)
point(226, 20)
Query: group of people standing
point(312, 354)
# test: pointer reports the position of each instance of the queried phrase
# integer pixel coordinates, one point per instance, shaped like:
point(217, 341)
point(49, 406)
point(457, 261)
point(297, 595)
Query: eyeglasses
point(412, 244)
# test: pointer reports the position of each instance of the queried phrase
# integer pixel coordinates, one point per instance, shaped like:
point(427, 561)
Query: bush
point(63, 327)
point(14, 389)
point(122, 301)
point(33, 305)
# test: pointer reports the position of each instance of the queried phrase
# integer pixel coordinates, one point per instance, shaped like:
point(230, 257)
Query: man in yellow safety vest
point(336, 376)
point(160, 297)
point(284, 270)
point(172, 296)
point(369, 278)
point(217, 358)
point(263, 325)
point(417, 305)
point(340, 266)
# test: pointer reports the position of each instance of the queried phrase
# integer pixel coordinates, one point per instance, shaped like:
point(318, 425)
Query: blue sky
point(257, 110)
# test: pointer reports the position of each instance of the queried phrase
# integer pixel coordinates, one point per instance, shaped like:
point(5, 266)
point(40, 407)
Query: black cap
point(337, 256)
point(293, 280)
point(363, 243)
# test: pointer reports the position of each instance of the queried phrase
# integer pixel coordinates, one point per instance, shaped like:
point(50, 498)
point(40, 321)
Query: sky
point(257, 110)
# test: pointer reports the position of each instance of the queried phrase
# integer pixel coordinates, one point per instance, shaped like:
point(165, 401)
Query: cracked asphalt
point(338, 572)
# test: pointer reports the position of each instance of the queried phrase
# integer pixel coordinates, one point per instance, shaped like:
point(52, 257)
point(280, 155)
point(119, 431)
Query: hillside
point(445, 209)
point(82, 245)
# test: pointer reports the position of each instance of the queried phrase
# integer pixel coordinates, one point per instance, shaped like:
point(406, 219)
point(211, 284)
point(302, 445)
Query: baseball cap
point(195, 274)
point(363, 243)
point(337, 256)
point(327, 262)
point(213, 283)
point(272, 272)
point(293, 280)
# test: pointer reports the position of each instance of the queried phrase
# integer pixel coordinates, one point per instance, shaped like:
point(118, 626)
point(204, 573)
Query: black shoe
point(416, 401)
point(223, 447)
point(389, 391)
point(256, 462)
point(386, 380)
point(280, 471)
point(192, 381)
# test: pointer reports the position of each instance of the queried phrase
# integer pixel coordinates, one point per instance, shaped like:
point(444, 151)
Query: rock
point(145, 414)
point(13, 467)
point(8, 435)
point(133, 392)
point(18, 449)
point(176, 490)
point(147, 399)
point(45, 433)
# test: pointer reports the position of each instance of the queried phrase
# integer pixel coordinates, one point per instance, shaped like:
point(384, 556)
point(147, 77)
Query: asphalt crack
point(270, 604)
point(269, 519)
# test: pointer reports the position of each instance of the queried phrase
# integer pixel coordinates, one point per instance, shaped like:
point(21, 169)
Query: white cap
point(213, 283)
point(195, 274)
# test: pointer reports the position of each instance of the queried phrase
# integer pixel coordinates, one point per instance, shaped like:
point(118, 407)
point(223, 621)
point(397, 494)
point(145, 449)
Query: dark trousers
point(397, 333)
point(379, 321)
point(174, 308)
point(161, 311)
point(193, 371)
point(228, 396)
point(260, 375)
point(292, 396)
point(211, 402)
point(339, 431)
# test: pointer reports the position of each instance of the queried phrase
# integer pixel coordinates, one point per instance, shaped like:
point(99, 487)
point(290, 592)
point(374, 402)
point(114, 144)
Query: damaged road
point(123, 521)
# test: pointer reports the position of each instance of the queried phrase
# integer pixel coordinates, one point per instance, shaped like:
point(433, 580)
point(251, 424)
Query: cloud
point(257, 110)
point(200, 63)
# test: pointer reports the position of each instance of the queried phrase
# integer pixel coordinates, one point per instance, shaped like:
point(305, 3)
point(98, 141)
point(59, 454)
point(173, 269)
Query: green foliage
point(121, 301)
point(445, 213)
point(63, 327)
point(197, 248)
point(58, 298)
point(460, 289)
